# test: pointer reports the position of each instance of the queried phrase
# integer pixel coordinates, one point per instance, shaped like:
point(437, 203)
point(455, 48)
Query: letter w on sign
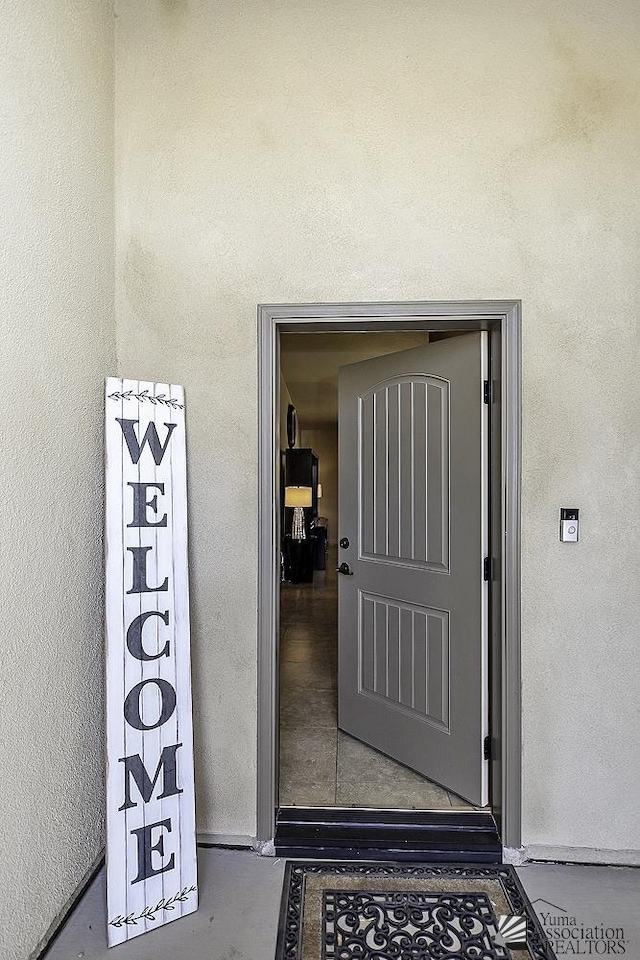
point(151, 833)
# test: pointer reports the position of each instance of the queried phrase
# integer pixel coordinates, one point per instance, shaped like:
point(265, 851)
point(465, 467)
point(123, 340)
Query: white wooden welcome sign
point(151, 842)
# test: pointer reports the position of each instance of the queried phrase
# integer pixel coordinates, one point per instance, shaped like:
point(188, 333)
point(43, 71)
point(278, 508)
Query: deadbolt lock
point(344, 543)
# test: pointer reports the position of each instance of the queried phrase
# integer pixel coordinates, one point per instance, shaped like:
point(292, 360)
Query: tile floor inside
point(240, 900)
point(319, 764)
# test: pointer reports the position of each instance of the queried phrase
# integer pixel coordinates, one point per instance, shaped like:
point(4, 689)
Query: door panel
point(404, 657)
point(413, 505)
point(404, 423)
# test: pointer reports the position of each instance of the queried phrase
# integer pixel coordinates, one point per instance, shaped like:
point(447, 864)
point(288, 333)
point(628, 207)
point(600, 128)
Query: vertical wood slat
point(406, 470)
point(437, 670)
point(367, 497)
point(381, 515)
point(367, 652)
point(135, 741)
point(187, 810)
point(380, 642)
point(420, 704)
point(117, 835)
point(163, 894)
point(419, 448)
point(394, 453)
point(393, 654)
point(406, 657)
point(436, 498)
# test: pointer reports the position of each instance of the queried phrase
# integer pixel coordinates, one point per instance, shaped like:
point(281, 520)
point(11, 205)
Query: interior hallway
point(319, 764)
point(240, 900)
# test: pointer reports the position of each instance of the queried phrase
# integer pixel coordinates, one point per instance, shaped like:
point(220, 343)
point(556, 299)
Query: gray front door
point(413, 506)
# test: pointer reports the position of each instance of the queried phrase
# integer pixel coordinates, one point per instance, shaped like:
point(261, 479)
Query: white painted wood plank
point(182, 634)
point(114, 634)
point(143, 892)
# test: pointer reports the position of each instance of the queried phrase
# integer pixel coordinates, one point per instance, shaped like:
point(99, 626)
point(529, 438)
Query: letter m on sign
point(151, 831)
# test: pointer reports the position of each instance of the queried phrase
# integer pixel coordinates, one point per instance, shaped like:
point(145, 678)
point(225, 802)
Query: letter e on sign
point(151, 830)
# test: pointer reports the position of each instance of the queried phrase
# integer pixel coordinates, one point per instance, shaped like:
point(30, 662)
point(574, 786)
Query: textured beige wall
point(290, 150)
point(58, 342)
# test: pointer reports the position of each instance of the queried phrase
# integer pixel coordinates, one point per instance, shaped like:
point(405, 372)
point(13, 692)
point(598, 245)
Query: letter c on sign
point(132, 704)
point(134, 636)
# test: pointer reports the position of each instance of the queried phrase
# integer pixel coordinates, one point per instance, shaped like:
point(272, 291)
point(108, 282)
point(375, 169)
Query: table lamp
point(298, 498)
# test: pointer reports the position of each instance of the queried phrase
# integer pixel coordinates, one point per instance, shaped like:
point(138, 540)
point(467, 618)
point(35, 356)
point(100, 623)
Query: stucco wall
point(58, 342)
point(377, 150)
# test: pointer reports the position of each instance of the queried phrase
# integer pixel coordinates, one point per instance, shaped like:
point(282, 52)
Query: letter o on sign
point(132, 704)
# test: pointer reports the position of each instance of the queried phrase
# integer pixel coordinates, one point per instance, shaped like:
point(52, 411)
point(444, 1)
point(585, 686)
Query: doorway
point(500, 321)
point(383, 695)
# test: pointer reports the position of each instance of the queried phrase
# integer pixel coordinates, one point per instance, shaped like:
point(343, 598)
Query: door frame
point(502, 318)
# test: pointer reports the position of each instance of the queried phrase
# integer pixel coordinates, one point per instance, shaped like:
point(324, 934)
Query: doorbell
point(568, 525)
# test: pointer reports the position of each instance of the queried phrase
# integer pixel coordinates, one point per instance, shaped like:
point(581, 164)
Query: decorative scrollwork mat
point(404, 911)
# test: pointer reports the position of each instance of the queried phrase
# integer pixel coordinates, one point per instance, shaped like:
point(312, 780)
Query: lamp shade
point(319, 491)
point(297, 496)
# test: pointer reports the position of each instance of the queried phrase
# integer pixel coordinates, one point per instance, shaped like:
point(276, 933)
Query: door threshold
point(333, 808)
point(348, 833)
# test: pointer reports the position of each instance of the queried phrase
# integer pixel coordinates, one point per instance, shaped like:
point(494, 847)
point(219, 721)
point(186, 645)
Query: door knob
point(344, 569)
point(344, 543)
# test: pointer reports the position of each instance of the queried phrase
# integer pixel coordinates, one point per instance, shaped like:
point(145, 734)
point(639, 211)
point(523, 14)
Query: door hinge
point(487, 568)
point(487, 391)
point(487, 747)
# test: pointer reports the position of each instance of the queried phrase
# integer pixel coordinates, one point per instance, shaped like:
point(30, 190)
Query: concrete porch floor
point(240, 901)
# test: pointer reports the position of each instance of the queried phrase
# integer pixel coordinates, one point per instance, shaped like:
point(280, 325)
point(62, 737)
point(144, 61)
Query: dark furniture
point(320, 533)
point(301, 470)
point(299, 557)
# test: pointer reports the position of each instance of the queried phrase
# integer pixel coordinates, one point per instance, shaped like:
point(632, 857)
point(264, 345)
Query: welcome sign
point(151, 842)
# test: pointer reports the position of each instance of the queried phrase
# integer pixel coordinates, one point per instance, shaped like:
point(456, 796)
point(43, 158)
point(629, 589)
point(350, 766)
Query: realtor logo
point(512, 929)
point(570, 937)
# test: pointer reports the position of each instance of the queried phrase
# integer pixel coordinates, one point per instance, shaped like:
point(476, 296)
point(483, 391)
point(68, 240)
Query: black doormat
point(406, 911)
